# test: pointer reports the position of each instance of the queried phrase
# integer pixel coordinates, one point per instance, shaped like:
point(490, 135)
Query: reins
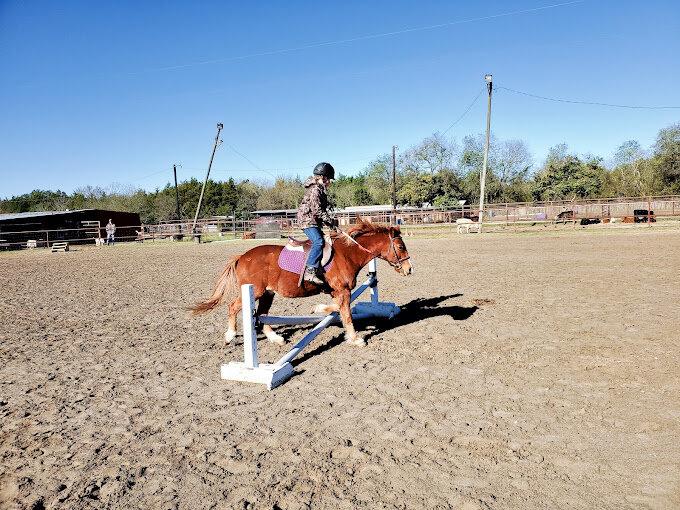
point(353, 240)
point(398, 264)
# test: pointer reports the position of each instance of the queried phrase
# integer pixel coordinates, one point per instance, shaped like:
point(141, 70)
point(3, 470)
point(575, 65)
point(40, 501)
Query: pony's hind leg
point(234, 309)
point(264, 303)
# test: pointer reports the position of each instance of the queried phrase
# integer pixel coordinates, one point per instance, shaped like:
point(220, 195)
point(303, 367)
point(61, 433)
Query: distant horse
point(259, 266)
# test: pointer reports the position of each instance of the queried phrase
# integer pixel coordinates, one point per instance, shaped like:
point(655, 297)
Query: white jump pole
point(249, 332)
point(274, 374)
point(373, 271)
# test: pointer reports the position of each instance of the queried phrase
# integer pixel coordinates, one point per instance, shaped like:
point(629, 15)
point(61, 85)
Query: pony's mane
point(363, 227)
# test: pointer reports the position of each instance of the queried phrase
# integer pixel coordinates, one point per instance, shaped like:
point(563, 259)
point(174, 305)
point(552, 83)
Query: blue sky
point(95, 93)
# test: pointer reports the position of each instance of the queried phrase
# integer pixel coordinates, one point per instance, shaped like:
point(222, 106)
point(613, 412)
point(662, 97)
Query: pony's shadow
point(419, 309)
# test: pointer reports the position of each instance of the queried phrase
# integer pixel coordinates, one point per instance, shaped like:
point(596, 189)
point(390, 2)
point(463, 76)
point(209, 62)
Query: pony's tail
point(226, 284)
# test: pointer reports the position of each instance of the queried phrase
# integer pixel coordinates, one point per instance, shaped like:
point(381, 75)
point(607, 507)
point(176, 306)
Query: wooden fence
point(283, 225)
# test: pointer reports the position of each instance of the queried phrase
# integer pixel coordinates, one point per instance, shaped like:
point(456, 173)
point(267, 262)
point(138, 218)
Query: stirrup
point(311, 275)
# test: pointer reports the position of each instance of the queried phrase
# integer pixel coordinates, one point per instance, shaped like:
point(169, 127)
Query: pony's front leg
point(343, 300)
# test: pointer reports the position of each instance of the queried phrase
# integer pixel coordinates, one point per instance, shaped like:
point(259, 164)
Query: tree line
point(436, 171)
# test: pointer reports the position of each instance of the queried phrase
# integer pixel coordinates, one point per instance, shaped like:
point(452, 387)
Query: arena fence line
point(285, 224)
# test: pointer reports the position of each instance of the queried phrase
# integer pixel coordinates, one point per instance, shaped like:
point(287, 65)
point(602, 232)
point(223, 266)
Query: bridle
point(399, 264)
point(399, 261)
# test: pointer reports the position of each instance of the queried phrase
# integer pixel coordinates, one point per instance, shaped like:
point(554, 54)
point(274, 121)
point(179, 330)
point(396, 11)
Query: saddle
point(294, 255)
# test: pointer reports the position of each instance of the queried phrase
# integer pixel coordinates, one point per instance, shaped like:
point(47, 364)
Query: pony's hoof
point(358, 341)
point(277, 339)
point(229, 336)
point(325, 309)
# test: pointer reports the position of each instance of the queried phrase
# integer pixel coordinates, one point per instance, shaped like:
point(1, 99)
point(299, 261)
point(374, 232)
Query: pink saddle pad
point(294, 260)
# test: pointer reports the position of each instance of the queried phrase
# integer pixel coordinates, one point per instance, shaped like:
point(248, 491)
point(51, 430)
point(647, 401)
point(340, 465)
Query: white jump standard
point(250, 370)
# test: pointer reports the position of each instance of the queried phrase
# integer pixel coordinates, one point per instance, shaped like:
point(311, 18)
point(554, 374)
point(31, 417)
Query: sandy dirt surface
point(534, 371)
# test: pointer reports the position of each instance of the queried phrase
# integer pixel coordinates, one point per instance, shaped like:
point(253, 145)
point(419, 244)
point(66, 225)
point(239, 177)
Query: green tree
point(416, 189)
point(567, 177)
point(667, 157)
point(378, 179)
point(284, 194)
point(248, 192)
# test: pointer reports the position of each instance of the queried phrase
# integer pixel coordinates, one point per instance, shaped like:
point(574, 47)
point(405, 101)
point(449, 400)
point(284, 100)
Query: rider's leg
point(315, 253)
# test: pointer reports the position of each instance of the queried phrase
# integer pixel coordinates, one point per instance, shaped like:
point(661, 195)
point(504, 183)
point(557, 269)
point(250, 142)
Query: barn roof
point(377, 208)
point(35, 214)
point(38, 214)
point(275, 211)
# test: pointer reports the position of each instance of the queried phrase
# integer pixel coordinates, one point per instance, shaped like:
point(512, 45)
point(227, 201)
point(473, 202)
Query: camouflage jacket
point(313, 210)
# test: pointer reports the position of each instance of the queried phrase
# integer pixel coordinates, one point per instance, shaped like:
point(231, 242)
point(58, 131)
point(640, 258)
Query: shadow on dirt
point(414, 311)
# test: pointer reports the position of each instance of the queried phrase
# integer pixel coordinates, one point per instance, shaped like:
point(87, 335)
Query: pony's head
point(384, 242)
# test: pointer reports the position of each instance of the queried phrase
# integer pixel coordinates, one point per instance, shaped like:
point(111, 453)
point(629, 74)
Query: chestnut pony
point(259, 267)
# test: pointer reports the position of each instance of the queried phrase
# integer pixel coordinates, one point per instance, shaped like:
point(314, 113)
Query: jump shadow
point(419, 309)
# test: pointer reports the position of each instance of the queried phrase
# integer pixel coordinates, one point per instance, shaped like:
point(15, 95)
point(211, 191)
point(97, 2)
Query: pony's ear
point(395, 231)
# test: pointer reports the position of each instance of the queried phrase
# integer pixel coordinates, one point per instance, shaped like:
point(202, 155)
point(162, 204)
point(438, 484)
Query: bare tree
point(432, 155)
point(513, 161)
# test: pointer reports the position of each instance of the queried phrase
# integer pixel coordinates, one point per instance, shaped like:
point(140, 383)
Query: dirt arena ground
point(526, 371)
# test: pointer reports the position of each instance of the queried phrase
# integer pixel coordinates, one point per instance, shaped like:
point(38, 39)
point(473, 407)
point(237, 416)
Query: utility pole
point(482, 183)
point(174, 171)
point(220, 126)
point(394, 184)
point(179, 234)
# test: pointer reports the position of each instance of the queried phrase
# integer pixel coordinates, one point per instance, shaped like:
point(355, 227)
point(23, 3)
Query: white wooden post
point(250, 370)
point(373, 270)
point(249, 332)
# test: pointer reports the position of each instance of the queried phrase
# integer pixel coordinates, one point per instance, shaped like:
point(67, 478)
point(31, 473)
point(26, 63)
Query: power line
point(250, 161)
point(269, 171)
point(290, 169)
point(150, 175)
point(592, 103)
point(257, 168)
point(465, 112)
point(311, 165)
point(361, 38)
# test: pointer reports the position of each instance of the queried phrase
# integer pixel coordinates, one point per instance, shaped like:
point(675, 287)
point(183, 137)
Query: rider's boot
point(312, 276)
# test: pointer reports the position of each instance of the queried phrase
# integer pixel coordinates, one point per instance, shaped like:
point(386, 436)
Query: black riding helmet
point(325, 169)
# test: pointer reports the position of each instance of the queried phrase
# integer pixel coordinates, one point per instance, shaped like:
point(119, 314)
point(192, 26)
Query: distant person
point(312, 215)
point(110, 231)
